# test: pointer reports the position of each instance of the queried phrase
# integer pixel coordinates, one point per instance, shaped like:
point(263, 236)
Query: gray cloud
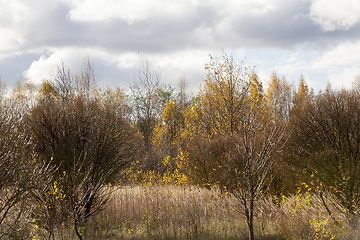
point(61, 31)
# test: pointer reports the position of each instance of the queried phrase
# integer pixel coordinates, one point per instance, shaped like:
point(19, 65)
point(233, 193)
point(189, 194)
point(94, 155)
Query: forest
point(234, 160)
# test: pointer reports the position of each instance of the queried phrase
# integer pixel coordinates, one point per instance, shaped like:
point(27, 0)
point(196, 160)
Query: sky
point(317, 38)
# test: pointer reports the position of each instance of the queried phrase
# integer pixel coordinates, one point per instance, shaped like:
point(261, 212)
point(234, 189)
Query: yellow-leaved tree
point(279, 97)
point(303, 93)
point(222, 99)
point(257, 100)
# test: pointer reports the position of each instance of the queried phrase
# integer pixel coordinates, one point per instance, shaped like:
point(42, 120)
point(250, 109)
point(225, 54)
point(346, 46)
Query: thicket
point(233, 160)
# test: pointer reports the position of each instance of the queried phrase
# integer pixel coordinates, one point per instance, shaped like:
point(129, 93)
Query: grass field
point(174, 212)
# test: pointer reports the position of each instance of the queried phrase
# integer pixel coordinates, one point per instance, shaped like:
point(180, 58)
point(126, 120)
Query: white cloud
point(129, 11)
point(340, 64)
point(45, 67)
point(190, 63)
point(39, 70)
point(12, 12)
point(335, 15)
point(343, 54)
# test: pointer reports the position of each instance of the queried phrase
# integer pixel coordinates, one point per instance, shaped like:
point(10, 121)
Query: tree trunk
point(76, 226)
point(250, 219)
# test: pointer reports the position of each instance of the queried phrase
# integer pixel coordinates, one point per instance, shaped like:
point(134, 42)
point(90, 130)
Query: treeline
point(65, 144)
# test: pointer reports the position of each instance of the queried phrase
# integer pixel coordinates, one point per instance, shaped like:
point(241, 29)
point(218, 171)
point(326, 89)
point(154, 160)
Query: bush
point(89, 146)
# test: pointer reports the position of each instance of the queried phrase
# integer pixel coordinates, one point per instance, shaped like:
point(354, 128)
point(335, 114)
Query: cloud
point(340, 64)
point(46, 66)
point(176, 36)
point(73, 58)
point(197, 23)
point(158, 25)
point(121, 69)
point(342, 54)
point(335, 15)
point(129, 11)
point(12, 15)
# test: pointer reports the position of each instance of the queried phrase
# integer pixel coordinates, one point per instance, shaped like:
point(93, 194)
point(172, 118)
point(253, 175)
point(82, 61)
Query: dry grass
point(173, 212)
point(169, 213)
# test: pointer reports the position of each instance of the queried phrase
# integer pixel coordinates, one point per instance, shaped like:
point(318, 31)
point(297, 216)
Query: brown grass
point(173, 212)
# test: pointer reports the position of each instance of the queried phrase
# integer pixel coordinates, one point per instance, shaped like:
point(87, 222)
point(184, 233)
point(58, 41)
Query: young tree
point(356, 83)
point(3, 88)
point(223, 102)
point(167, 133)
point(242, 163)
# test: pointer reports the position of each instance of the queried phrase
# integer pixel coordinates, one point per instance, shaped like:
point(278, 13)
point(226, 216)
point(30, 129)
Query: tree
point(85, 82)
point(24, 95)
point(167, 133)
point(279, 97)
point(115, 99)
point(302, 94)
point(144, 103)
point(63, 82)
point(88, 144)
point(326, 143)
point(242, 163)
point(147, 101)
point(222, 104)
point(356, 83)
point(182, 96)
point(257, 101)
point(222, 98)
point(235, 144)
point(48, 92)
point(3, 89)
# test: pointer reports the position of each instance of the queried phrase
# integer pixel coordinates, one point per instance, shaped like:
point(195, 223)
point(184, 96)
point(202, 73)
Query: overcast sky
point(319, 39)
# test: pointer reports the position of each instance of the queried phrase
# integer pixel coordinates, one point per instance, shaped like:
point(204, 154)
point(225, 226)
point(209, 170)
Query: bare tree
point(148, 99)
point(145, 103)
point(63, 82)
point(85, 82)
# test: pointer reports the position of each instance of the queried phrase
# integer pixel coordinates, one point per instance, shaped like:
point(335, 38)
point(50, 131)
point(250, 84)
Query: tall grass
point(168, 212)
point(175, 212)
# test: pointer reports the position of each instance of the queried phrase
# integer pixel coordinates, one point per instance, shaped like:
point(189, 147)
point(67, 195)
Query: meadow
point(155, 211)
